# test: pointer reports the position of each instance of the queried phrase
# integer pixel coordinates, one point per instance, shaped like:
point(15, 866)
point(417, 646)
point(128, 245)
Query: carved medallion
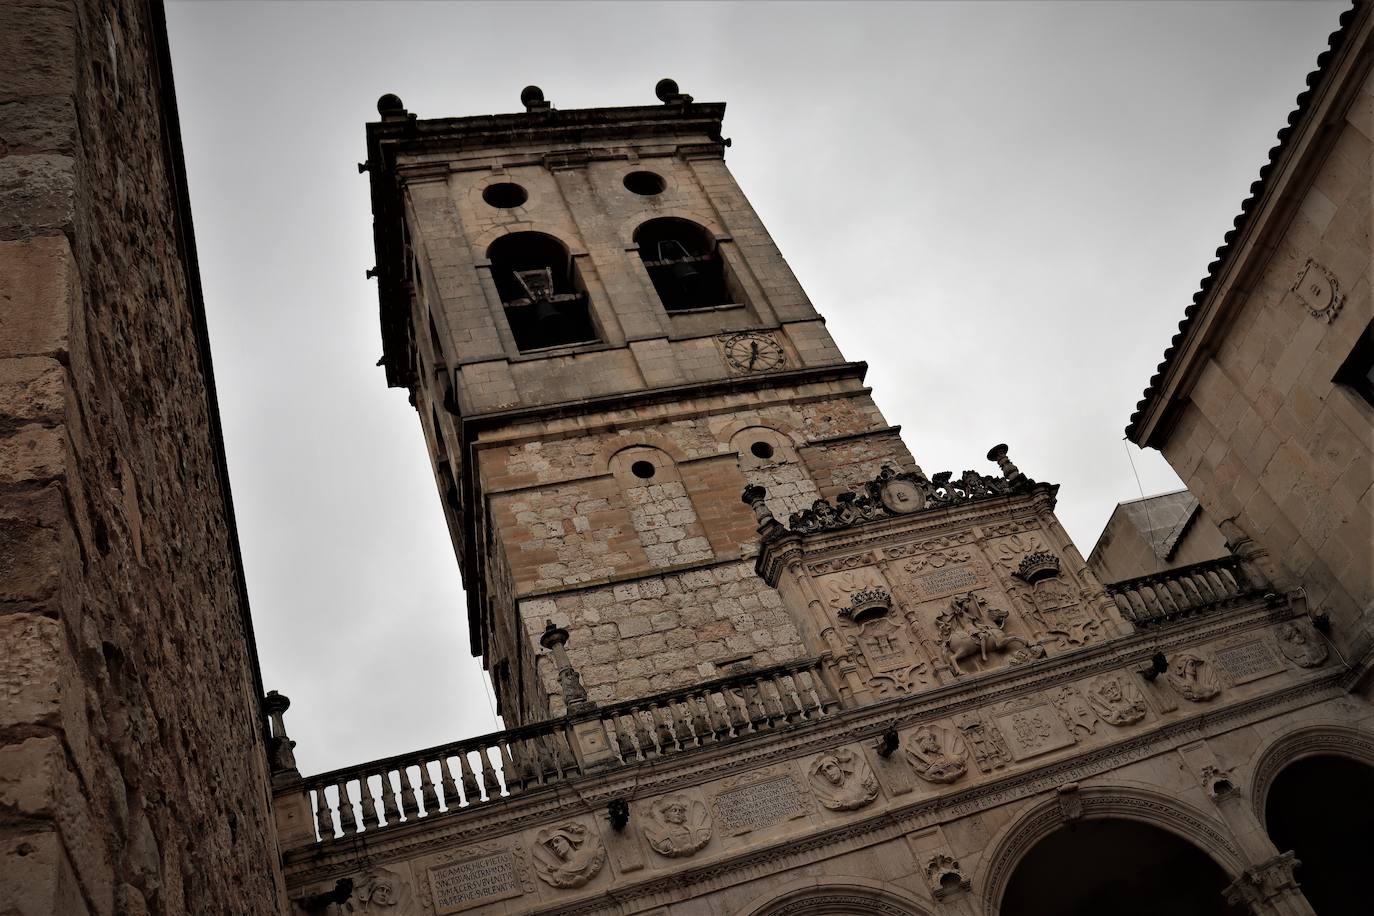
point(568, 855)
point(1193, 678)
point(937, 754)
point(1301, 644)
point(678, 826)
point(1117, 699)
point(842, 780)
point(1319, 290)
point(900, 496)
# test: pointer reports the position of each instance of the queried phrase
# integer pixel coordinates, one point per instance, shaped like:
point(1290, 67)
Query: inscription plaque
point(949, 579)
point(1034, 731)
point(1249, 661)
point(758, 806)
point(472, 882)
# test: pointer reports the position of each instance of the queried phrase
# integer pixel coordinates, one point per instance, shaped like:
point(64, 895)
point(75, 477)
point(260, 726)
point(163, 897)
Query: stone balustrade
point(441, 780)
point(1162, 597)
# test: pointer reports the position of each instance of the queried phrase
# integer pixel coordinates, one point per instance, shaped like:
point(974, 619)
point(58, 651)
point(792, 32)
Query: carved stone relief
point(1006, 553)
point(938, 755)
point(840, 564)
point(1248, 658)
point(1319, 290)
point(678, 826)
point(568, 855)
point(1193, 678)
point(971, 629)
point(379, 890)
point(944, 876)
point(888, 656)
point(1058, 607)
point(990, 749)
point(1301, 644)
point(839, 589)
point(1117, 699)
point(758, 800)
point(1077, 714)
point(842, 780)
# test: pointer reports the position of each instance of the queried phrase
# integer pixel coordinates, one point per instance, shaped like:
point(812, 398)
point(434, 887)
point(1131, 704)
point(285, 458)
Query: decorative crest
point(866, 604)
point(1036, 566)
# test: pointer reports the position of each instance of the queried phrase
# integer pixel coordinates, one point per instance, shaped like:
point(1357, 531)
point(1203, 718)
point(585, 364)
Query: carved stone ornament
point(1037, 565)
point(1319, 290)
point(990, 749)
point(938, 755)
point(378, 890)
point(867, 604)
point(1300, 644)
point(945, 877)
point(889, 657)
point(678, 826)
point(1218, 782)
point(1117, 699)
point(568, 855)
point(895, 492)
point(969, 627)
point(842, 780)
point(1260, 884)
point(1193, 678)
point(1078, 715)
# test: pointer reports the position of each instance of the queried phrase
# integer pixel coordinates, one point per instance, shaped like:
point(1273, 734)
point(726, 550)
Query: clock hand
point(753, 352)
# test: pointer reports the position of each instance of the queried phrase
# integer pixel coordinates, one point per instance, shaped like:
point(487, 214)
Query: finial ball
point(531, 96)
point(666, 90)
point(390, 102)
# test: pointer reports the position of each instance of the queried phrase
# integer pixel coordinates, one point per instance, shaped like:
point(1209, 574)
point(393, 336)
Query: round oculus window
point(505, 195)
point(761, 450)
point(642, 469)
point(646, 184)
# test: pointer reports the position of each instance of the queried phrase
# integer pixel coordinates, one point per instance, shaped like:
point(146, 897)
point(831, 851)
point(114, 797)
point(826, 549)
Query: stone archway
point(1169, 818)
point(1318, 807)
point(1116, 866)
point(835, 896)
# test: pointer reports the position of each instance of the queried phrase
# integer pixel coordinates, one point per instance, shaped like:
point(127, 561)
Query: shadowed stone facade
point(756, 660)
point(133, 776)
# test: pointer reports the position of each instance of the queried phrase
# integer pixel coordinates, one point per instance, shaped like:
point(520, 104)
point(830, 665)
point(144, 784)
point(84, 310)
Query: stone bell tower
point(605, 347)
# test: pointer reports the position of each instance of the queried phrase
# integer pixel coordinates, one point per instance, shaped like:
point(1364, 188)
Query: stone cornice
point(590, 793)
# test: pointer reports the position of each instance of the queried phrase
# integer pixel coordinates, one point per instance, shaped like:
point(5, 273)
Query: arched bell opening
point(684, 263)
point(542, 291)
point(1118, 867)
point(1320, 809)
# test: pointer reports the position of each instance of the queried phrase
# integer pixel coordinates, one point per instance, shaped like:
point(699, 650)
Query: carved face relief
point(678, 826)
point(1117, 700)
point(1301, 645)
point(380, 889)
point(1193, 678)
point(568, 855)
point(842, 780)
point(937, 754)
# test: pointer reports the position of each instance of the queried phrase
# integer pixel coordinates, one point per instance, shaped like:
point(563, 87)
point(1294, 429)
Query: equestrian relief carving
point(972, 628)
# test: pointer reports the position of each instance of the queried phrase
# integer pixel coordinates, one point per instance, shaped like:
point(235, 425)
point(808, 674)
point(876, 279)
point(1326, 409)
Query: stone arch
point(1133, 803)
point(630, 225)
point(769, 458)
point(1331, 739)
point(482, 243)
point(661, 509)
point(644, 438)
point(830, 895)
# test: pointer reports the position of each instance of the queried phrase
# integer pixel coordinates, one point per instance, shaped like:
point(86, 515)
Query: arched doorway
point(1320, 808)
point(1117, 867)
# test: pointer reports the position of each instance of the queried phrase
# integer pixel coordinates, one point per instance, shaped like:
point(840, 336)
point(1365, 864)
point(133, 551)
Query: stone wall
point(132, 766)
point(1268, 441)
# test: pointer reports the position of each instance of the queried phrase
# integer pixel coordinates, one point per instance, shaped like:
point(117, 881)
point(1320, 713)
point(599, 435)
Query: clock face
point(751, 352)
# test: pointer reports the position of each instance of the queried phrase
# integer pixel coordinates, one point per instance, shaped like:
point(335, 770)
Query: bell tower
point(605, 347)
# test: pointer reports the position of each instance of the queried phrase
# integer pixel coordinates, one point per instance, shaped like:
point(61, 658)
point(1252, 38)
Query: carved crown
point(1036, 566)
point(866, 604)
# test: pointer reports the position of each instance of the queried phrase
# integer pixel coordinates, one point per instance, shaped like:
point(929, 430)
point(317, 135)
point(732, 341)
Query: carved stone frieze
point(1117, 699)
point(893, 493)
point(568, 855)
point(1301, 644)
point(842, 780)
point(840, 564)
point(839, 589)
point(1193, 678)
point(937, 754)
point(678, 826)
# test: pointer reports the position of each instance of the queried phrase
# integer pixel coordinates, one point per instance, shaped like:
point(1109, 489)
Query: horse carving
point(970, 628)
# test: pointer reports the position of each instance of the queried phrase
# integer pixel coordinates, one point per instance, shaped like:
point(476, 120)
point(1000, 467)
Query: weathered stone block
point(38, 290)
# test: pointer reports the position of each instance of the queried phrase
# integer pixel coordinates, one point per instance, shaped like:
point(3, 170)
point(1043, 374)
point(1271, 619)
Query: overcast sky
point(1003, 208)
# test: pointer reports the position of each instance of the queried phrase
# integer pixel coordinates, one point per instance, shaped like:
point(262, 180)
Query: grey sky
point(1003, 208)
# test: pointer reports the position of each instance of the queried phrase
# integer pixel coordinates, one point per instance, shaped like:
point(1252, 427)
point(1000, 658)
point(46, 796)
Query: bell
point(684, 271)
point(546, 314)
